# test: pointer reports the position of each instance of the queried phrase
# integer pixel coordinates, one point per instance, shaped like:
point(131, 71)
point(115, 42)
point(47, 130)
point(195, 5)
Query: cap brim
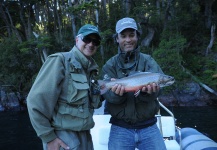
point(129, 27)
point(88, 33)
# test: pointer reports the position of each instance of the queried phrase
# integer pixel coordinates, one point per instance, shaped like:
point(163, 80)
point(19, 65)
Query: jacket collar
point(129, 56)
point(87, 63)
point(128, 61)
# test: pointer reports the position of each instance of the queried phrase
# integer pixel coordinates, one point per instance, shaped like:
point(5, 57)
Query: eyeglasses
point(87, 40)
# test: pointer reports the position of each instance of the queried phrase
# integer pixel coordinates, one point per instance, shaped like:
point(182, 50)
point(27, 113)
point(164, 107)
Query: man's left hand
point(151, 88)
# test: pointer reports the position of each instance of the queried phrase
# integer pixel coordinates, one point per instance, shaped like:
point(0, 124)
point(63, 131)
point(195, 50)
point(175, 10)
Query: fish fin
point(133, 73)
point(137, 93)
point(102, 86)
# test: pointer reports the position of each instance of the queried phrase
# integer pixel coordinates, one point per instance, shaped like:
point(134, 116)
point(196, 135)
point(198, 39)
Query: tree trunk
point(58, 21)
point(211, 40)
point(43, 54)
point(74, 31)
point(3, 15)
point(146, 42)
point(158, 7)
point(25, 17)
point(103, 3)
point(127, 6)
point(168, 14)
point(97, 17)
point(145, 22)
point(37, 9)
point(50, 27)
point(208, 13)
point(14, 29)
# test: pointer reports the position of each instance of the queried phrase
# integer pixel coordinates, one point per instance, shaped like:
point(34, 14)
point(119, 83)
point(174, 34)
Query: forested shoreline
point(180, 35)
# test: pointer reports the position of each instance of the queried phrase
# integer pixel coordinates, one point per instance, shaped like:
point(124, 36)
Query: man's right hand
point(117, 88)
point(56, 144)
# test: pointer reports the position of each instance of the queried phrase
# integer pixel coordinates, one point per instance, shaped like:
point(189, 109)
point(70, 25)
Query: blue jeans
point(148, 138)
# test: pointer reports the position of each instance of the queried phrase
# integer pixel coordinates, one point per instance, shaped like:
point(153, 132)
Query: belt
point(136, 125)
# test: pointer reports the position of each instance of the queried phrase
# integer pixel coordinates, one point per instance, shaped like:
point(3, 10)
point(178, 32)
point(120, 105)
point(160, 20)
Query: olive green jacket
point(61, 97)
point(128, 107)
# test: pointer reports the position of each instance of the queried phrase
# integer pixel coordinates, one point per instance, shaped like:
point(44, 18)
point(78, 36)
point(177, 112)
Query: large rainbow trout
point(135, 82)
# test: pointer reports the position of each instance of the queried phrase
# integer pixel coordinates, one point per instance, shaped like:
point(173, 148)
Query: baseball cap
point(126, 23)
point(89, 29)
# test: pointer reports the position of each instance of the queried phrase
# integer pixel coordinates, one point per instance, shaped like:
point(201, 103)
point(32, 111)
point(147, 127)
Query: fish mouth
point(170, 82)
point(167, 81)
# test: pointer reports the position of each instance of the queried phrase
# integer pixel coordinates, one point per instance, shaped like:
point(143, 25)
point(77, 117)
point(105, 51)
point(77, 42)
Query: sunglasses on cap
point(87, 40)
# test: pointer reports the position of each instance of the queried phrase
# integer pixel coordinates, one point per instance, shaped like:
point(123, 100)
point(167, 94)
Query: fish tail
point(103, 88)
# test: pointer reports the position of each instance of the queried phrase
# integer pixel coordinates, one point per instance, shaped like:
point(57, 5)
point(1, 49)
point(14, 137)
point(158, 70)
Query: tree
point(175, 28)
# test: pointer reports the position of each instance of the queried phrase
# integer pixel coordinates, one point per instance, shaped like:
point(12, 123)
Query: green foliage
point(44, 41)
point(106, 36)
point(27, 46)
point(108, 46)
point(214, 49)
point(180, 36)
point(208, 79)
point(84, 12)
point(168, 54)
point(82, 7)
point(203, 68)
point(14, 64)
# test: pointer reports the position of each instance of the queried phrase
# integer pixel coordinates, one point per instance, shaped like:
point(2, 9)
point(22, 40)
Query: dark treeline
point(179, 34)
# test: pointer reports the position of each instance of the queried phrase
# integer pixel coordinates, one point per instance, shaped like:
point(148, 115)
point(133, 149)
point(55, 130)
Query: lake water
point(16, 132)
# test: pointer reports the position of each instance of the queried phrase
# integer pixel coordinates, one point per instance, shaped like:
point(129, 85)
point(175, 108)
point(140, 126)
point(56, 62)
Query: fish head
point(166, 80)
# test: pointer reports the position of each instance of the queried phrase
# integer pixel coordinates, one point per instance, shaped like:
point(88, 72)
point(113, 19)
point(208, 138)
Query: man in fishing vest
point(63, 97)
point(133, 117)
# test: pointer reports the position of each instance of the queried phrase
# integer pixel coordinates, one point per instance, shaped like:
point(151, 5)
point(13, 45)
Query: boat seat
point(172, 145)
point(166, 124)
point(100, 132)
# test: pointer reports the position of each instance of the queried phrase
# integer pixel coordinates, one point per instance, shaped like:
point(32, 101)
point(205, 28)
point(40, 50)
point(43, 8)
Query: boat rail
point(168, 129)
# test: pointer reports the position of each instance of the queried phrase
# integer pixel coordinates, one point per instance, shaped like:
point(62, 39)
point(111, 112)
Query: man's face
point(127, 40)
point(88, 44)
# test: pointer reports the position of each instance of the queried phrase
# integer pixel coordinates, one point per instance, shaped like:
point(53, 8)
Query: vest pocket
point(78, 111)
point(73, 117)
point(78, 87)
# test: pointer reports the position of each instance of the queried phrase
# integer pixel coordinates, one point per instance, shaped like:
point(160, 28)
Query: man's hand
point(117, 88)
point(151, 88)
point(56, 144)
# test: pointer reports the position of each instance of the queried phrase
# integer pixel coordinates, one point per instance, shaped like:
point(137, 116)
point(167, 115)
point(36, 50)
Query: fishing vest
point(76, 112)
